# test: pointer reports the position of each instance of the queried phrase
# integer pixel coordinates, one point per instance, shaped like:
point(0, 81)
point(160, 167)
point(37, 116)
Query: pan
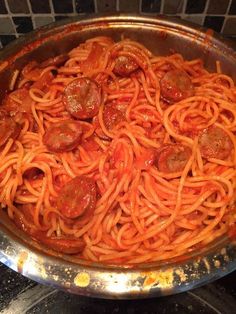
point(162, 36)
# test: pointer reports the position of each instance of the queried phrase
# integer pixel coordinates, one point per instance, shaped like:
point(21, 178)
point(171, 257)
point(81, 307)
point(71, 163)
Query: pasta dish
point(116, 155)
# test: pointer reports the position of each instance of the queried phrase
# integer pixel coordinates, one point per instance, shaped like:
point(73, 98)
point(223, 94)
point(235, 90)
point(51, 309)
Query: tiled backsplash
point(18, 17)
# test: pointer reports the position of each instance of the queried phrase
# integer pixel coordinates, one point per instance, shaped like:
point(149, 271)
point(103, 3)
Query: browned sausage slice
point(89, 144)
point(173, 158)
point(125, 65)
point(63, 244)
point(215, 143)
point(8, 129)
point(77, 197)
point(82, 98)
point(112, 116)
point(175, 86)
point(63, 136)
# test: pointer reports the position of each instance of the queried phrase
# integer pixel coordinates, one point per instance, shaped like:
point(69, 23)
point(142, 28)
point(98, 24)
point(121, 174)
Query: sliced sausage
point(8, 129)
point(77, 197)
point(125, 65)
point(173, 158)
point(82, 98)
point(112, 116)
point(215, 143)
point(63, 244)
point(63, 136)
point(175, 86)
point(89, 144)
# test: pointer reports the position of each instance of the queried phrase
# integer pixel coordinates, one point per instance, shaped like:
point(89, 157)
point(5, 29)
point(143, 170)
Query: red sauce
point(145, 160)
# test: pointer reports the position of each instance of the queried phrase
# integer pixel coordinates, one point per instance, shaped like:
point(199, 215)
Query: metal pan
point(161, 35)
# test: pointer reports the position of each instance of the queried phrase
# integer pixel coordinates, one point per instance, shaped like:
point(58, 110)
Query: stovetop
point(20, 295)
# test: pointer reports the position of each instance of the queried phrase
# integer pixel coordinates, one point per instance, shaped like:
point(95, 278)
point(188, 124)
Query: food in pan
point(116, 155)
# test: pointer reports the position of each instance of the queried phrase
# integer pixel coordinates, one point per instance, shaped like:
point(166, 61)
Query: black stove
point(20, 295)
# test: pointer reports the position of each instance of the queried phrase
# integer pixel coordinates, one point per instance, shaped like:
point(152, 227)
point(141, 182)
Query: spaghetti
point(116, 155)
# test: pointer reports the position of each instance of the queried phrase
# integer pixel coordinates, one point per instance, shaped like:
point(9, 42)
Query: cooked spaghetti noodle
point(116, 155)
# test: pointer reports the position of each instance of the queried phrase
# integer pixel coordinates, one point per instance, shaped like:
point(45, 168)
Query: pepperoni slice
point(63, 136)
point(78, 197)
point(215, 143)
point(173, 158)
point(82, 98)
point(125, 65)
point(175, 86)
point(8, 129)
